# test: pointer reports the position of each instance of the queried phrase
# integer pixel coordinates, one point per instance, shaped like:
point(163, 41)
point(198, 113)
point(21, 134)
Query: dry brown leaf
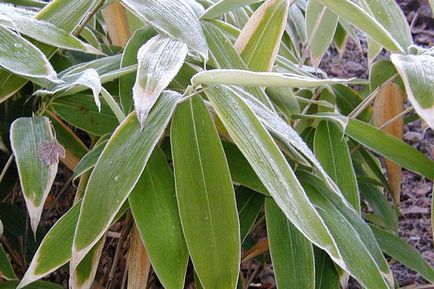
point(388, 104)
point(260, 248)
point(138, 262)
point(116, 22)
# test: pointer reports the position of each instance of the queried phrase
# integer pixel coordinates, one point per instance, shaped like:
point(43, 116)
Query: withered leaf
point(49, 152)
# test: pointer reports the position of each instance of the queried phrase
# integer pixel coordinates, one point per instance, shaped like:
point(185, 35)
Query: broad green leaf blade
point(175, 18)
point(271, 167)
point(155, 211)
point(43, 31)
point(129, 57)
point(138, 262)
point(83, 276)
point(356, 254)
point(354, 14)
point(88, 79)
point(27, 136)
point(259, 41)
point(249, 204)
point(206, 198)
point(36, 285)
point(391, 17)
point(332, 152)
point(51, 253)
point(399, 250)
point(80, 110)
point(21, 57)
point(111, 182)
point(159, 61)
point(390, 147)
point(321, 25)
point(291, 253)
point(89, 160)
point(266, 79)
point(224, 6)
point(326, 275)
point(54, 13)
point(6, 270)
point(417, 73)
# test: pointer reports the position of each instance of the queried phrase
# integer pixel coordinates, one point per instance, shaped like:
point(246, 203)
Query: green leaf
point(51, 253)
point(326, 275)
point(155, 211)
point(224, 6)
point(361, 19)
point(399, 250)
point(259, 41)
point(54, 13)
point(270, 165)
point(80, 110)
point(321, 24)
point(83, 276)
point(21, 57)
point(36, 178)
point(249, 204)
point(110, 182)
point(391, 17)
point(291, 253)
point(417, 73)
point(43, 31)
point(160, 60)
point(6, 270)
point(390, 147)
point(266, 79)
point(205, 195)
point(175, 18)
point(332, 151)
point(89, 160)
point(241, 171)
point(129, 57)
point(355, 241)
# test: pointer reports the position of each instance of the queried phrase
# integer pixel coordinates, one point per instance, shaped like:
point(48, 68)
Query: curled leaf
point(49, 152)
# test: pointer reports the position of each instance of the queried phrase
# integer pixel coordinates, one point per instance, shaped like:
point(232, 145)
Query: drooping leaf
point(270, 165)
point(36, 178)
point(321, 25)
point(54, 13)
point(80, 110)
point(155, 211)
point(21, 57)
point(129, 57)
point(174, 17)
point(159, 60)
point(43, 31)
point(291, 253)
point(138, 262)
point(390, 147)
point(224, 6)
point(111, 182)
point(398, 249)
point(259, 41)
point(354, 14)
point(332, 151)
point(6, 270)
point(417, 73)
point(205, 195)
point(266, 79)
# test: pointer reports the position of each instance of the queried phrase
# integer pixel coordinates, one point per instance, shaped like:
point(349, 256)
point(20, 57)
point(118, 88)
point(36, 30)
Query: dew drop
point(18, 45)
point(116, 179)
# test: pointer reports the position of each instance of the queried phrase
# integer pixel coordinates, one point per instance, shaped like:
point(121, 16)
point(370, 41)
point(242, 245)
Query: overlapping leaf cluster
point(212, 118)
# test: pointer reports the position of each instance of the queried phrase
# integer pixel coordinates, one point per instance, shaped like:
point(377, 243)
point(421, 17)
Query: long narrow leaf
point(224, 6)
point(205, 195)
